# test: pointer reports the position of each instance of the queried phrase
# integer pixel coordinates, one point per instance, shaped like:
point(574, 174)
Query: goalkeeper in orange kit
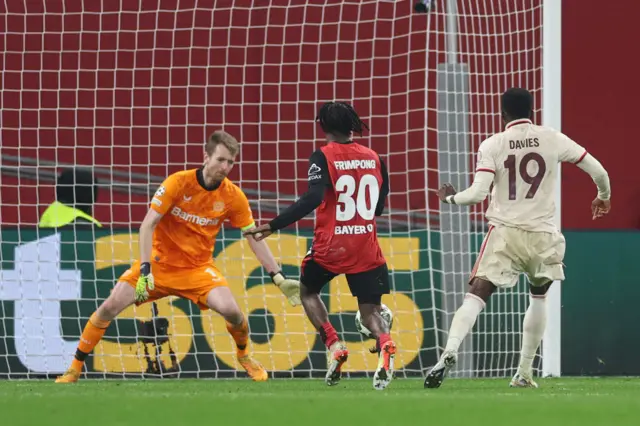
point(177, 238)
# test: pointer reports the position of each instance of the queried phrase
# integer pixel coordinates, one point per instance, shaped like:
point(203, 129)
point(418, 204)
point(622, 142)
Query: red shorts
point(189, 283)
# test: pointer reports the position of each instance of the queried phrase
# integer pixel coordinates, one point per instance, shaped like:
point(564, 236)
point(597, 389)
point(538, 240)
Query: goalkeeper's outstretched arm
point(289, 287)
point(145, 236)
point(263, 253)
point(145, 241)
point(241, 217)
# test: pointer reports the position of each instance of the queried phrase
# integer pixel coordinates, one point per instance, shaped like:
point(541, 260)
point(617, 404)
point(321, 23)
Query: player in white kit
point(521, 163)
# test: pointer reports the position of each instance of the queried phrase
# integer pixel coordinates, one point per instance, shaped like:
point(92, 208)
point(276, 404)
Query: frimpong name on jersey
point(355, 164)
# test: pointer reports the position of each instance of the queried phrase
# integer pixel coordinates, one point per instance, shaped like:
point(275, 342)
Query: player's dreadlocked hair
point(340, 118)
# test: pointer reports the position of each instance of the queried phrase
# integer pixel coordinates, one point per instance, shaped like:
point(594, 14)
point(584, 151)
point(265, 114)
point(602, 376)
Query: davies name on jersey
point(527, 143)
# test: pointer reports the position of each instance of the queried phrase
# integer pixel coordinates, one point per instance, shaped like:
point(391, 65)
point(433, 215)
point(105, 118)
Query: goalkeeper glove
point(290, 288)
point(144, 282)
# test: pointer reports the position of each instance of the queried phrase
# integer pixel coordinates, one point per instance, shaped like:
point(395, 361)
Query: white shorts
point(507, 252)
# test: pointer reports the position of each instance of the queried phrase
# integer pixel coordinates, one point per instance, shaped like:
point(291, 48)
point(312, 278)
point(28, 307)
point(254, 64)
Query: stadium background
point(597, 112)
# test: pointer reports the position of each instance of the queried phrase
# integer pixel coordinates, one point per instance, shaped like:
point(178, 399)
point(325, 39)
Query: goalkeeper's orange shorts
point(189, 283)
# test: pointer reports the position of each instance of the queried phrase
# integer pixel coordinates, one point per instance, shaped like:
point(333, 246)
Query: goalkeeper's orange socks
point(328, 334)
point(91, 335)
point(240, 334)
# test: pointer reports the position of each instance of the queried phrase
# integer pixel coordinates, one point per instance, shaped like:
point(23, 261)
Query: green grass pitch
point(562, 402)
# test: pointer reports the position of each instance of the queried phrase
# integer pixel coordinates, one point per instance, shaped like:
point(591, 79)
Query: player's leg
point(369, 287)
point(495, 267)
point(543, 266)
point(370, 312)
point(465, 317)
point(462, 323)
point(221, 300)
point(317, 313)
point(122, 296)
point(313, 278)
point(370, 306)
point(533, 326)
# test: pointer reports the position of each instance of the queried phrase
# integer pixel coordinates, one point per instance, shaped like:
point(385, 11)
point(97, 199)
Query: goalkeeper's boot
point(254, 369)
point(384, 372)
point(436, 375)
point(522, 381)
point(338, 354)
point(70, 376)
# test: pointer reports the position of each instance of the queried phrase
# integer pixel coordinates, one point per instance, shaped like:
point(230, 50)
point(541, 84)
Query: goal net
point(131, 90)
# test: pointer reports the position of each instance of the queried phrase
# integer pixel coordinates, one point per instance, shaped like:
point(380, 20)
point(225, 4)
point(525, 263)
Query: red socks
point(382, 339)
point(328, 334)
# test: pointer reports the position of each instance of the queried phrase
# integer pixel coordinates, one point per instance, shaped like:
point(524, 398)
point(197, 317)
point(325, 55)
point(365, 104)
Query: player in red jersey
point(348, 185)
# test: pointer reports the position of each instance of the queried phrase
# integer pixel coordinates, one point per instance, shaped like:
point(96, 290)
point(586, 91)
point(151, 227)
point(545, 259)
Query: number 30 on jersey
point(352, 197)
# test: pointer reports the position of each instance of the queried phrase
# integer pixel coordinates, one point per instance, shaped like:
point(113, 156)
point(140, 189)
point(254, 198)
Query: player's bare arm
point(242, 218)
point(145, 241)
point(289, 287)
point(161, 202)
point(263, 253)
point(258, 233)
point(145, 237)
point(164, 195)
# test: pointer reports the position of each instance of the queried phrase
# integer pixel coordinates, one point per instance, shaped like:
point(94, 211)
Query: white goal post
point(552, 117)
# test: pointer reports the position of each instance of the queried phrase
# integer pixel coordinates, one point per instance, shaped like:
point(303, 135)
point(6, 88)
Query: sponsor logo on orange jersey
point(190, 217)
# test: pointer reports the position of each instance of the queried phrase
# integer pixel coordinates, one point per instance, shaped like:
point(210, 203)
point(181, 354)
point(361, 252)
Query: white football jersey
point(524, 160)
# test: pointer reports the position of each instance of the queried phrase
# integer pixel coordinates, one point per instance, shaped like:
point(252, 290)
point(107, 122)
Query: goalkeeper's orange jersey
point(193, 215)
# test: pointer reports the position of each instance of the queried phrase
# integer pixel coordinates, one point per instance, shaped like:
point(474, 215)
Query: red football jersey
point(345, 240)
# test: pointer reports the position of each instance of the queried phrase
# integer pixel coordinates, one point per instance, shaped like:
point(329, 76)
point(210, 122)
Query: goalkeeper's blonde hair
point(220, 137)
